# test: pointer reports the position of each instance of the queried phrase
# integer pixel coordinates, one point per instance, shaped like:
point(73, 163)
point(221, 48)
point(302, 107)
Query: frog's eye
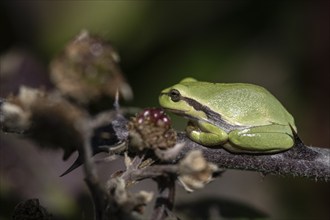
point(175, 95)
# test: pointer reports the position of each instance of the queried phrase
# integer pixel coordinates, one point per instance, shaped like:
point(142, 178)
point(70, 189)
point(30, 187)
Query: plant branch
point(99, 194)
point(165, 200)
point(300, 161)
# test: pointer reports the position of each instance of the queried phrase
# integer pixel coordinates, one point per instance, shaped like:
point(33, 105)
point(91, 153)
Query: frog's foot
point(261, 139)
point(206, 134)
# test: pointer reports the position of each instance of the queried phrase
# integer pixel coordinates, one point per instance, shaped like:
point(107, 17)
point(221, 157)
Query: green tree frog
point(242, 118)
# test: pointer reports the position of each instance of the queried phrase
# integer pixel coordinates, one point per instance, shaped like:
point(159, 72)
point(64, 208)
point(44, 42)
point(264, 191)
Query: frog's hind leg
point(261, 139)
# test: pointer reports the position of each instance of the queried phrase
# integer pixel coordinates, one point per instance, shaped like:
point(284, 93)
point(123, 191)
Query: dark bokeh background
point(283, 46)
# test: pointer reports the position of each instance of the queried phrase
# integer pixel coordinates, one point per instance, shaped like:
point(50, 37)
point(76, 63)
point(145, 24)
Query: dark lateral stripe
point(213, 116)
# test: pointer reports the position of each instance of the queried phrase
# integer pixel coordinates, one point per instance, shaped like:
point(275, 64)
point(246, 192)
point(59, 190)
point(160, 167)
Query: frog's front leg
point(206, 134)
point(261, 139)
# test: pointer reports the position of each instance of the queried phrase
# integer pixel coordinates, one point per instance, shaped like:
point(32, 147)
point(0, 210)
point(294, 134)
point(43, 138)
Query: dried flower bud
point(30, 209)
point(126, 200)
point(142, 198)
point(16, 110)
point(88, 69)
point(46, 118)
point(195, 171)
point(151, 128)
point(14, 118)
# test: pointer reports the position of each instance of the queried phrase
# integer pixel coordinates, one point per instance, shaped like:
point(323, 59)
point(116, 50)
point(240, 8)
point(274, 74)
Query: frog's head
point(179, 100)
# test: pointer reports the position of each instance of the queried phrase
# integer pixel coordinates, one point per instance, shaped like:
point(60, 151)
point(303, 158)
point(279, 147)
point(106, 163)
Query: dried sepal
point(88, 69)
point(125, 200)
point(151, 129)
point(170, 153)
point(195, 172)
point(127, 160)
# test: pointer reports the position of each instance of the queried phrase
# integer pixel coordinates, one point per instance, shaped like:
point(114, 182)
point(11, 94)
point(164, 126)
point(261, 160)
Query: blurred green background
point(281, 45)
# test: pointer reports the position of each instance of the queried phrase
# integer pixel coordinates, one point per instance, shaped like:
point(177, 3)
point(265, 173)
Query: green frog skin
point(242, 118)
